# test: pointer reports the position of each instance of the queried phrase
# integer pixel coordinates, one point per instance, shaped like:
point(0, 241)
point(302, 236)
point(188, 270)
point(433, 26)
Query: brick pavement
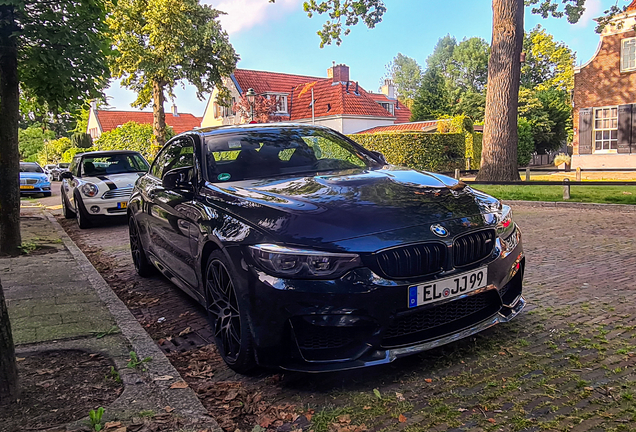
point(567, 363)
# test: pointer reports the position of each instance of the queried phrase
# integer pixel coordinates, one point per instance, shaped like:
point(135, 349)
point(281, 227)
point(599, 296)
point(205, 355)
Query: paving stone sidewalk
point(57, 301)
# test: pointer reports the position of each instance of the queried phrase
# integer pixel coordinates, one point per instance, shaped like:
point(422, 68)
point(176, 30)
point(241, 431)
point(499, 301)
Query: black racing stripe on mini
point(109, 183)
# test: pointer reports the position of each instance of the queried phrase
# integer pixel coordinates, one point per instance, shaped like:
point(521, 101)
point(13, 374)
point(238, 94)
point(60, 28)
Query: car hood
point(32, 175)
point(113, 181)
point(326, 208)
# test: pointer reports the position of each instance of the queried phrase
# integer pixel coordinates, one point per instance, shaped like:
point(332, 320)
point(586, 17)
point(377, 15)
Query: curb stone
point(184, 401)
point(620, 208)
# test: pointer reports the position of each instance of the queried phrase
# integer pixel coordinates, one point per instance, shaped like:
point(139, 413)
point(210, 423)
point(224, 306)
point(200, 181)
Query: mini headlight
point(303, 264)
point(89, 189)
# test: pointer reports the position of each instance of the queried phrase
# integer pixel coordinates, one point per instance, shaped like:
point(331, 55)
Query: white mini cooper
point(99, 184)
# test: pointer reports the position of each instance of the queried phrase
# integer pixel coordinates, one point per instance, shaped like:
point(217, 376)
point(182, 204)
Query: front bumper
point(106, 207)
point(37, 189)
point(361, 320)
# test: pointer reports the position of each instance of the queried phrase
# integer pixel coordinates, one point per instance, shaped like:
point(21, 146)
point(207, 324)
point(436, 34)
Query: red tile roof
point(334, 99)
point(632, 6)
point(109, 120)
point(264, 82)
point(423, 126)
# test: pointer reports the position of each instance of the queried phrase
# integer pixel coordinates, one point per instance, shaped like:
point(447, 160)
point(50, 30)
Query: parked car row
point(309, 252)
point(54, 171)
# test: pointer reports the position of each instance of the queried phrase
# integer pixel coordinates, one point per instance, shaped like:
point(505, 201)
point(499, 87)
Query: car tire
point(227, 314)
point(83, 219)
point(139, 257)
point(66, 210)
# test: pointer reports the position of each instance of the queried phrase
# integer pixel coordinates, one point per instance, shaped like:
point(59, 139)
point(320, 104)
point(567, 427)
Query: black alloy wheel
point(66, 211)
point(140, 260)
point(227, 317)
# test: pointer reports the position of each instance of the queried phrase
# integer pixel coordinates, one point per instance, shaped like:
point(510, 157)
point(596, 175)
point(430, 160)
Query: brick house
point(338, 102)
point(604, 99)
point(100, 121)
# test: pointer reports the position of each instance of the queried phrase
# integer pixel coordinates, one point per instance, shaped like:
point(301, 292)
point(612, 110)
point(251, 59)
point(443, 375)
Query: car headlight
point(505, 225)
point(303, 264)
point(89, 189)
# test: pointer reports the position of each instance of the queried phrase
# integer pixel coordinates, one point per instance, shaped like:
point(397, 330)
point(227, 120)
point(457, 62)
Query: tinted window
point(177, 154)
point(99, 165)
point(31, 168)
point(74, 166)
point(285, 151)
point(63, 165)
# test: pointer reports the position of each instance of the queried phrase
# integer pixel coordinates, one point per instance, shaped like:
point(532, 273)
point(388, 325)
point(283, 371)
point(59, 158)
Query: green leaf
point(376, 392)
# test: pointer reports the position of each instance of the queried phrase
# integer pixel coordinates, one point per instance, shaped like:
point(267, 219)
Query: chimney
point(339, 73)
point(94, 104)
point(175, 113)
point(388, 89)
point(330, 70)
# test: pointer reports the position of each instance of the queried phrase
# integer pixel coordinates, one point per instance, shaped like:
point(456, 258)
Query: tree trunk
point(158, 115)
point(9, 154)
point(499, 154)
point(8, 367)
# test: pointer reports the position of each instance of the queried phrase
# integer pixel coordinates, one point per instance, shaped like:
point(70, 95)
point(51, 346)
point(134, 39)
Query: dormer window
point(389, 107)
point(628, 54)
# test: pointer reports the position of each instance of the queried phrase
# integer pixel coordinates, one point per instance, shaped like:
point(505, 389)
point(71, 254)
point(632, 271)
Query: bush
point(430, 152)
point(131, 136)
point(473, 149)
point(82, 140)
point(53, 151)
point(562, 158)
point(525, 146)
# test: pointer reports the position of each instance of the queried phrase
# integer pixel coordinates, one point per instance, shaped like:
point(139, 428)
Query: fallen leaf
point(266, 421)
point(588, 388)
point(492, 420)
point(402, 418)
point(400, 397)
point(168, 409)
point(111, 425)
point(376, 392)
point(121, 429)
point(345, 418)
point(20, 359)
point(502, 353)
point(179, 385)
point(462, 409)
point(366, 408)
point(164, 378)
point(185, 331)
point(428, 380)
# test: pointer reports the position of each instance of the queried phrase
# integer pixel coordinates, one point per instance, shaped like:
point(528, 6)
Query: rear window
point(31, 168)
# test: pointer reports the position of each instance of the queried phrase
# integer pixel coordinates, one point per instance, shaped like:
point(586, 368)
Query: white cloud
point(593, 9)
point(244, 14)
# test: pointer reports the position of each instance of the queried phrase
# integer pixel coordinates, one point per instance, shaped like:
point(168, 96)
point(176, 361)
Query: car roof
point(107, 153)
point(29, 163)
point(257, 127)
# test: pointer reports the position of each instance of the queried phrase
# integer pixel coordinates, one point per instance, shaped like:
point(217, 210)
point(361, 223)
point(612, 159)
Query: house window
point(389, 107)
point(605, 129)
point(628, 54)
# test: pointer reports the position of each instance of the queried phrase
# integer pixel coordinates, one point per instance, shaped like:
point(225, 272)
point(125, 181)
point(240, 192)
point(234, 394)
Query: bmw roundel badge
point(439, 230)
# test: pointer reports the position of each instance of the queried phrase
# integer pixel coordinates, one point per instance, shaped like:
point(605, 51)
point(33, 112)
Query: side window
point(73, 167)
point(178, 154)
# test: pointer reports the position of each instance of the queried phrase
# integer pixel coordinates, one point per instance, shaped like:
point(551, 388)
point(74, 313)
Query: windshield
point(63, 165)
point(258, 154)
point(30, 168)
point(93, 166)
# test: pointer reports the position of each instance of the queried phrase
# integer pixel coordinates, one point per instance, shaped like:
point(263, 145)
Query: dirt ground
point(58, 387)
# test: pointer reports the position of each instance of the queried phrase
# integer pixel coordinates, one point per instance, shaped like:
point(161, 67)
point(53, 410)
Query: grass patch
point(587, 194)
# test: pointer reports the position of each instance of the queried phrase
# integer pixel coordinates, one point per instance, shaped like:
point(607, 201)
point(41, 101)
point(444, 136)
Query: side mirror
point(67, 175)
point(380, 157)
point(178, 179)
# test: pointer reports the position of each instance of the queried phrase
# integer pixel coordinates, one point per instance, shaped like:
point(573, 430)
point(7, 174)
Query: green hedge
point(473, 149)
point(429, 152)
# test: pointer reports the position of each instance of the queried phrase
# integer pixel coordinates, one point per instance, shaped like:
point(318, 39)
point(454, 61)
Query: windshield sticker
point(224, 176)
point(234, 144)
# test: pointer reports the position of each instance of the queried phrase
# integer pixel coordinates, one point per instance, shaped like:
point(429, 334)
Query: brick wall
point(601, 82)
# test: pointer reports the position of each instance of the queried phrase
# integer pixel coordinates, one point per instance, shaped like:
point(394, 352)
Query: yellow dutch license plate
point(27, 187)
point(122, 205)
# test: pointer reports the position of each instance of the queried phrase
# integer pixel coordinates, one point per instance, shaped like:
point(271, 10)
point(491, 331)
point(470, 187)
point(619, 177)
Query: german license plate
point(27, 187)
point(444, 289)
point(122, 205)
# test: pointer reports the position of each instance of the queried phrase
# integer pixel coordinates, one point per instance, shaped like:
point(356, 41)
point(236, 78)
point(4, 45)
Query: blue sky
point(281, 38)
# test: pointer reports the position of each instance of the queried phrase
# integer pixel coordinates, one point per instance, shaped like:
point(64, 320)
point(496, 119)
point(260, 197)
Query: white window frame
point(624, 42)
point(607, 127)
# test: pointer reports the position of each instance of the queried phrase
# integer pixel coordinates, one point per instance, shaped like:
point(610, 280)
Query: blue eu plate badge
point(412, 296)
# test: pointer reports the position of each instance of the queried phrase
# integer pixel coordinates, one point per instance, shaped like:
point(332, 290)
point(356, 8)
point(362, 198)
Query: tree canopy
point(406, 75)
point(161, 43)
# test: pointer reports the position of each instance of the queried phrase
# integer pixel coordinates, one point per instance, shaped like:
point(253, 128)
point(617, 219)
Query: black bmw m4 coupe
point(313, 254)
